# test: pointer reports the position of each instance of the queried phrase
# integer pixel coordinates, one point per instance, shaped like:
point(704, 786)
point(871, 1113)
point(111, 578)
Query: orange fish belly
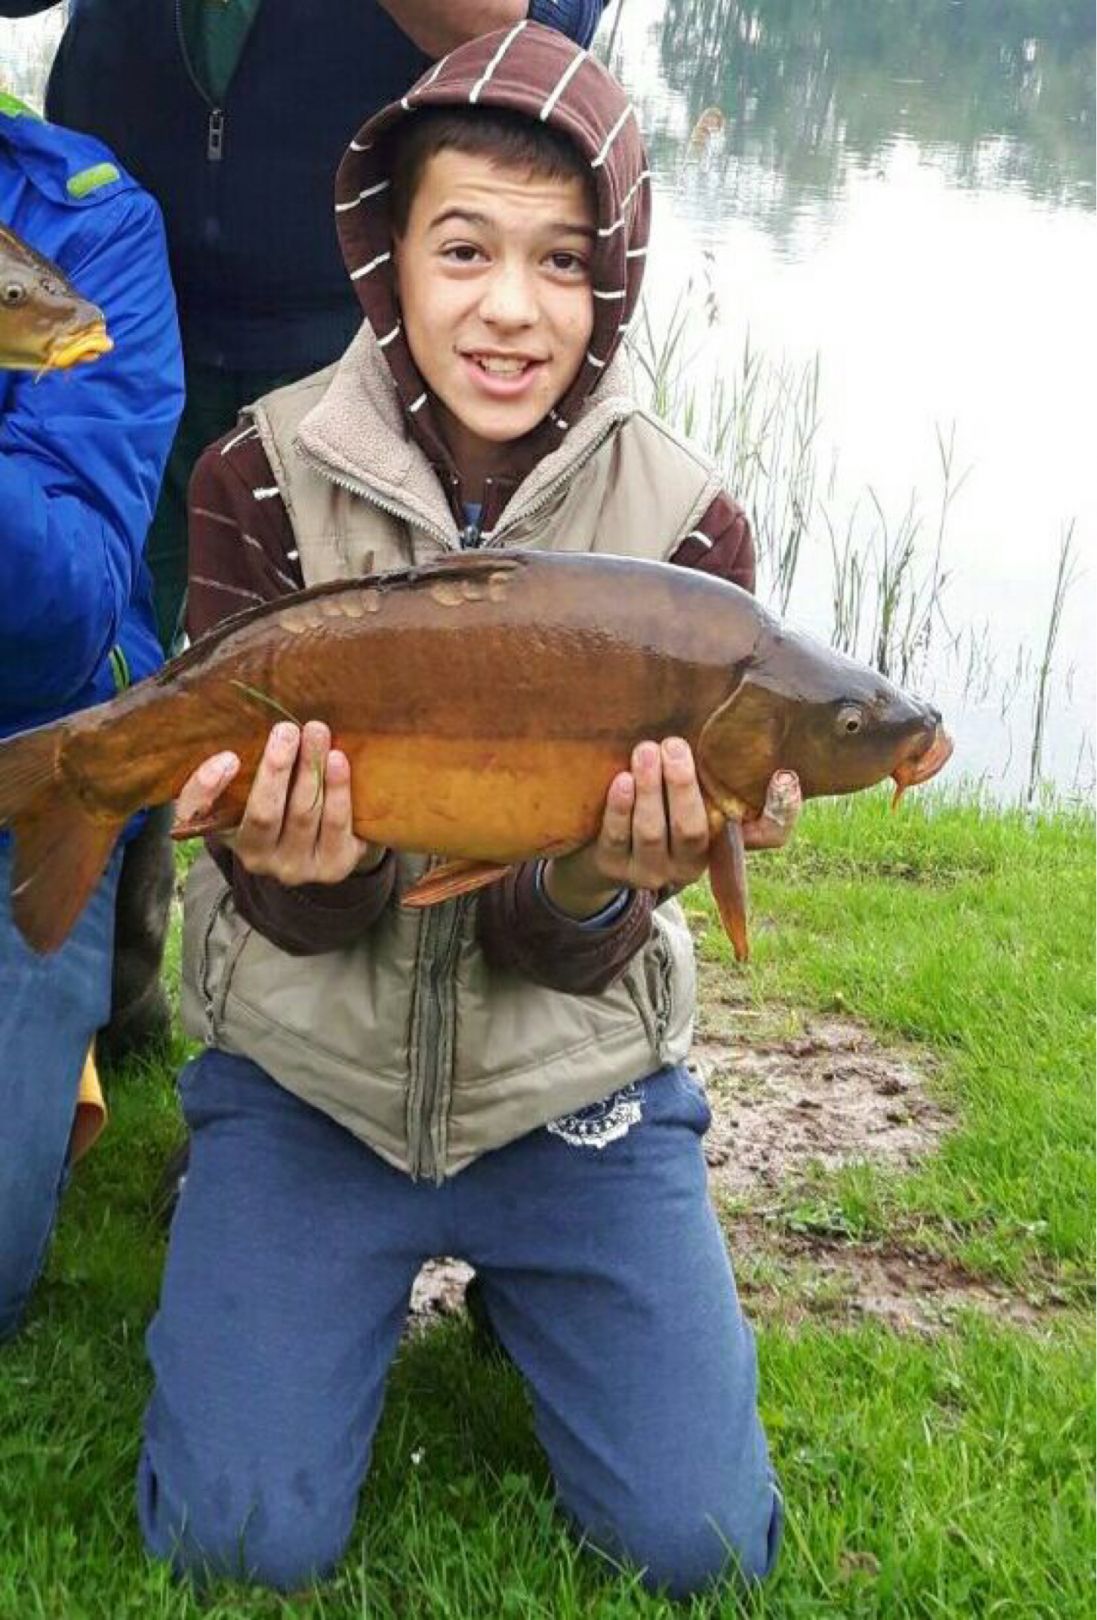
point(480, 799)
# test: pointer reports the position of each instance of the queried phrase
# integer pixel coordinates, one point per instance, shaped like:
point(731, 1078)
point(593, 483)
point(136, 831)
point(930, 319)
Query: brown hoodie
point(242, 545)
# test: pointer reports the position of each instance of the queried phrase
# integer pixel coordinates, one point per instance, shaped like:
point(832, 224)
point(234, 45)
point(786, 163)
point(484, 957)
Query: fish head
point(838, 724)
point(45, 325)
point(862, 736)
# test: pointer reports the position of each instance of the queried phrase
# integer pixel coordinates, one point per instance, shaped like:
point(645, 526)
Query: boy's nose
point(508, 299)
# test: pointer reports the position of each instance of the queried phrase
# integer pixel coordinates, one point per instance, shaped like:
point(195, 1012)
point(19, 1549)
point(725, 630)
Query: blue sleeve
point(578, 19)
point(601, 919)
point(24, 8)
point(81, 457)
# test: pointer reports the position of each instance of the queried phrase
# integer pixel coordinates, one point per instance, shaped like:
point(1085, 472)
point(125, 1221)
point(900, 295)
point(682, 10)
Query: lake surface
point(903, 191)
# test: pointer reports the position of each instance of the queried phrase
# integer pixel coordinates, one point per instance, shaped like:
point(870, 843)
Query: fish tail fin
point(60, 850)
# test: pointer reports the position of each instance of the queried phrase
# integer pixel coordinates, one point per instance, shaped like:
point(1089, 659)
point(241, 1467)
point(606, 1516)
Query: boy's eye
point(462, 252)
point(568, 264)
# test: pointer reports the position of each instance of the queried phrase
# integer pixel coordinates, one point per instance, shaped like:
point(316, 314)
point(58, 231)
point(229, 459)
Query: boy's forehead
point(474, 182)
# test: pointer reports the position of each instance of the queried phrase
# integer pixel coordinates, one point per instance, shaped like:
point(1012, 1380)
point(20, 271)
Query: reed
point(1065, 577)
point(763, 427)
point(885, 574)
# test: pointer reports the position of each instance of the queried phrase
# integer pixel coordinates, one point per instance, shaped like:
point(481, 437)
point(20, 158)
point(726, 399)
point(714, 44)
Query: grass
point(943, 1476)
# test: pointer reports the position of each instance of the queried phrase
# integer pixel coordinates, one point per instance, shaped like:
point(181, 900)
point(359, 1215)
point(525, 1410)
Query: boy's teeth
point(502, 367)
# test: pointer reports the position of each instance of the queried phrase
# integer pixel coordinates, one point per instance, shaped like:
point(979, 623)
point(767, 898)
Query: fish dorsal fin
point(472, 566)
point(739, 748)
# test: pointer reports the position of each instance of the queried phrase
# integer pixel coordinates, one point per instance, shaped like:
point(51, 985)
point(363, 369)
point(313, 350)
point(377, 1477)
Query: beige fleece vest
point(409, 1038)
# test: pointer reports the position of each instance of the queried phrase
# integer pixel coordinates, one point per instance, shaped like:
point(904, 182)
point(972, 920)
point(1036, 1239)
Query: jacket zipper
point(215, 127)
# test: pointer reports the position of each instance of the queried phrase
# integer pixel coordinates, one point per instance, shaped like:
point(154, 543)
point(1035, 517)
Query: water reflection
point(893, 189)
point(997, 93)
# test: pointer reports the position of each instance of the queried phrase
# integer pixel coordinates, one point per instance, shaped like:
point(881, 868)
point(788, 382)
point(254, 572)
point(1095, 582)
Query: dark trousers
point(604, 1272)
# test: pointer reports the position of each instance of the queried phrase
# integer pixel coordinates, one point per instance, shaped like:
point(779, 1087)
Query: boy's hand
point(655, 831)
point(297, 825)
point(779, 813)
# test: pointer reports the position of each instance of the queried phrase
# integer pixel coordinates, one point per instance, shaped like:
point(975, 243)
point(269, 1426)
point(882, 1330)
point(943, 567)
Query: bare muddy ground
point(794, 1279)
point(790, 1095)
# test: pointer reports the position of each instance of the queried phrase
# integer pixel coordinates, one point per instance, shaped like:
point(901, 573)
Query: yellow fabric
point(91, 1110)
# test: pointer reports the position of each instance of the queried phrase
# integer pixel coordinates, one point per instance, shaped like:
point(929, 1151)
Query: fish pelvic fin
point(446, 882)
point(61, 851)
point(727, 871)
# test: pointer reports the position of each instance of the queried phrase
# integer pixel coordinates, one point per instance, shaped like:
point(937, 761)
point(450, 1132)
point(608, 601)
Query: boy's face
point(493, 274)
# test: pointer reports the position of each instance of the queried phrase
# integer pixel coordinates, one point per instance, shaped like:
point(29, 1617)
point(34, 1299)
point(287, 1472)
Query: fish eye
point(850, 719)
point(12, 292)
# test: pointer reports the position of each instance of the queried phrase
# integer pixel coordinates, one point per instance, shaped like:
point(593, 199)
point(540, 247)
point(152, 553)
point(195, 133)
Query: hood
point(533, 70)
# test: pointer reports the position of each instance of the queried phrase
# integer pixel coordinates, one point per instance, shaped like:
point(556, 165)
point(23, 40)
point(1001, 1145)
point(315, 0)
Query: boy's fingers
point(685, 806)
point(266, 808)
point(616, 834)
point(772, 828)
point(649, 822)
point(204, 787)
point(306, 796)
point(337, 816)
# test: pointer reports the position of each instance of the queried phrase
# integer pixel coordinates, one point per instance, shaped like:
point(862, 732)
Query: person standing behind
point(81, 457)
point(234, 114)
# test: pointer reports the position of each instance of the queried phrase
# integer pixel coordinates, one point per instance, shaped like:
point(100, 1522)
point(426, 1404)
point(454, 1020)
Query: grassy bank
point(926, 1475)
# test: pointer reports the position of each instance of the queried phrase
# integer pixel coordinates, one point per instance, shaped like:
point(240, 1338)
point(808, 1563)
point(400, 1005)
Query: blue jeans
point(50, 1008)
point(292, 1257)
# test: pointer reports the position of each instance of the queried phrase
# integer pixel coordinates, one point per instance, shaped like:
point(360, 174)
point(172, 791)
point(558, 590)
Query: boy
point(81, 456)
point(501, 1077)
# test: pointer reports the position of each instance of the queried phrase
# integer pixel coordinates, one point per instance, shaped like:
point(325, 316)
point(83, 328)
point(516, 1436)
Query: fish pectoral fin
point(727, 871)
point(453, 878)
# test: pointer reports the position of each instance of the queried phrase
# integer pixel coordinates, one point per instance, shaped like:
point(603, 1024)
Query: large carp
point(45, 325)
point(485, 703)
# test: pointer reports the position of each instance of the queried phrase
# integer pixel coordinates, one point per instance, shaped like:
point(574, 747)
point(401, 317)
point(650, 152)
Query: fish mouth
point(80, 348)
point(910, 772)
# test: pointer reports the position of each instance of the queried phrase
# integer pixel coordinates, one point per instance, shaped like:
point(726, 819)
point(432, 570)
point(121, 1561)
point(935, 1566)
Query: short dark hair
point(511, 139)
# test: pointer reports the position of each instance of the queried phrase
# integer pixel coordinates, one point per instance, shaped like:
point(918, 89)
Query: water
point(906, 191)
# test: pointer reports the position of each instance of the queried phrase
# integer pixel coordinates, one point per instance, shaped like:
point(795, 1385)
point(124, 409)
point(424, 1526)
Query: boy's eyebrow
point(470, 217)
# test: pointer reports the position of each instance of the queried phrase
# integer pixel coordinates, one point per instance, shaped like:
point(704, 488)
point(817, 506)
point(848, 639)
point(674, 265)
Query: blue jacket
point(82, 452)
point(247, 187)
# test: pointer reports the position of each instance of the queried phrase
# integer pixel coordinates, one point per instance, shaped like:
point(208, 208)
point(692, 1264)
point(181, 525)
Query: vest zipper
point(440, 926)
point(548, 494)
point(215, 127)
point(436, 1028)
point(215, 136)
point(354, 487)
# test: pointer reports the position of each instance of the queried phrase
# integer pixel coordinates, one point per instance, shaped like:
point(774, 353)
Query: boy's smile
point(494, 280)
